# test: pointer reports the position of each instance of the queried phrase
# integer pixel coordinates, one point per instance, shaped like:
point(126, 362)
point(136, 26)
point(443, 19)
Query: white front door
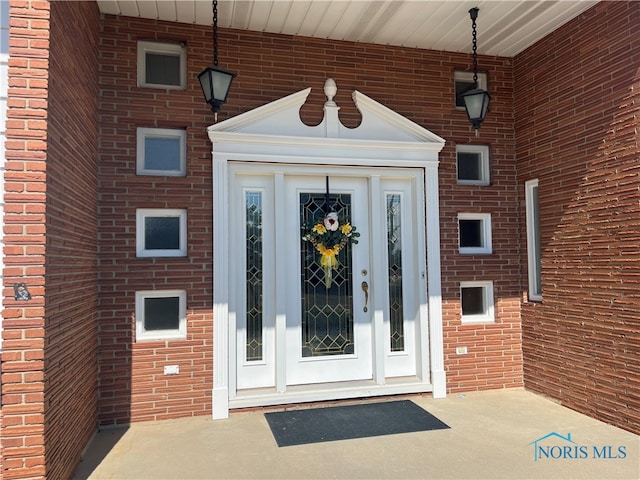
point(328, 318)
point(291, 323)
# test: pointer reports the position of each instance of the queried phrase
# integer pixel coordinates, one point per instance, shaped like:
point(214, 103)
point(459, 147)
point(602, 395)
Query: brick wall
point(133, 386)
point(576, 98)
point(71, 288)
point(49, 367)
point(25, 206)
point(417, 84)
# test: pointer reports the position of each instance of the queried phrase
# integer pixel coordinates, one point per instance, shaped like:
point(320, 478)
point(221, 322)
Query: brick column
point(24, 236)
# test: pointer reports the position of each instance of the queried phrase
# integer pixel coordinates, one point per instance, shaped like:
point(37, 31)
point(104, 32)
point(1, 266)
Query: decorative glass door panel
point(326, 304)
point(401, 218)
point(252, 262)
point(253, 244)
point(394, 260)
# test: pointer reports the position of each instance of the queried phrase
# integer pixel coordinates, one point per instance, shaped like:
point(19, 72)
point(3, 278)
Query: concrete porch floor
point(490, 437)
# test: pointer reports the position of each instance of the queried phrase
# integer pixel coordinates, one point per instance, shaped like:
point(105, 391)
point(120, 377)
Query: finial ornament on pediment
point(330, 90)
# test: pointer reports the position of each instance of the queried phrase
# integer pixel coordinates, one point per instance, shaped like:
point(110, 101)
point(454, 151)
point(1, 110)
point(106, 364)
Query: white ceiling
point(504, 28)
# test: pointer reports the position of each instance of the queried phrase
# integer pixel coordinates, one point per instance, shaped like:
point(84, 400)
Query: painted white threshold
point(261, 397)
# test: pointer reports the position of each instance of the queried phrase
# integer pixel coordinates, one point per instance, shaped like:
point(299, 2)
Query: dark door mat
point(297, 427)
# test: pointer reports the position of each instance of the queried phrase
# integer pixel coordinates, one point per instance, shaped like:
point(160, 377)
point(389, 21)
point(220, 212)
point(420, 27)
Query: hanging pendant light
point(476, 101)
point(215, 81)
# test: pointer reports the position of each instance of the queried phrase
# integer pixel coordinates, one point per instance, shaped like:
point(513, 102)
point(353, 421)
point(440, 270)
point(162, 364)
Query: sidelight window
point(394, 252)
point(254, 276)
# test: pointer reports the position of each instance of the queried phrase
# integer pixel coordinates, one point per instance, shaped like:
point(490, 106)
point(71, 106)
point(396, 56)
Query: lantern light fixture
point(476, 100)
point(215, 81)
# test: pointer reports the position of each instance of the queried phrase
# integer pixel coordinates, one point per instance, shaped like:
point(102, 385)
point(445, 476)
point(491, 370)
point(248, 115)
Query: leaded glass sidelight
point(253, 203)
point(394, 256)
point(327, 317)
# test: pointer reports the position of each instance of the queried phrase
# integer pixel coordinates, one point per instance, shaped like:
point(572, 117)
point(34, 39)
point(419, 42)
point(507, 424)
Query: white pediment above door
point(382, 130)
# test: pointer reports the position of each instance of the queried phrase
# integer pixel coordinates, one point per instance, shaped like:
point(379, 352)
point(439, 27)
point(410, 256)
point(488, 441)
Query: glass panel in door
point(254, 278)
point(403, 277)
point(252, 261)
point(326, 303)
point(395, 274)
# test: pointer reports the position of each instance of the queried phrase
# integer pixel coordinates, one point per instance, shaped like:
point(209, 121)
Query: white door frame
point(275, 135)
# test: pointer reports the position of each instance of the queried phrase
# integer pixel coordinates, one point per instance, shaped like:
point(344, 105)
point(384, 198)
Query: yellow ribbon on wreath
point(328, 260)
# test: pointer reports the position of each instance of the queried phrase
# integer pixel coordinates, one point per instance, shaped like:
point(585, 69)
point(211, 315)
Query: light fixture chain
point(475, 52)
point(215, 33)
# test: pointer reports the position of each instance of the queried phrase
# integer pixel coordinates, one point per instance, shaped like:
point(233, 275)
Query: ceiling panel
point(504, 28)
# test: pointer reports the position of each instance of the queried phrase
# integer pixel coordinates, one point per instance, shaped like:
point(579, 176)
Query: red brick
point(572, 98)
point(40, 150)
point(583, 148)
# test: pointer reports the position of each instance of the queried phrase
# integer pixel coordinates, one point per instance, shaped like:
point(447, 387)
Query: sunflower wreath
point(329, 236)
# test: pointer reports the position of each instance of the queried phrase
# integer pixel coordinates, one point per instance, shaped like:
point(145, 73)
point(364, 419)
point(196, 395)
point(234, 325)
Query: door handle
point(365, 289)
